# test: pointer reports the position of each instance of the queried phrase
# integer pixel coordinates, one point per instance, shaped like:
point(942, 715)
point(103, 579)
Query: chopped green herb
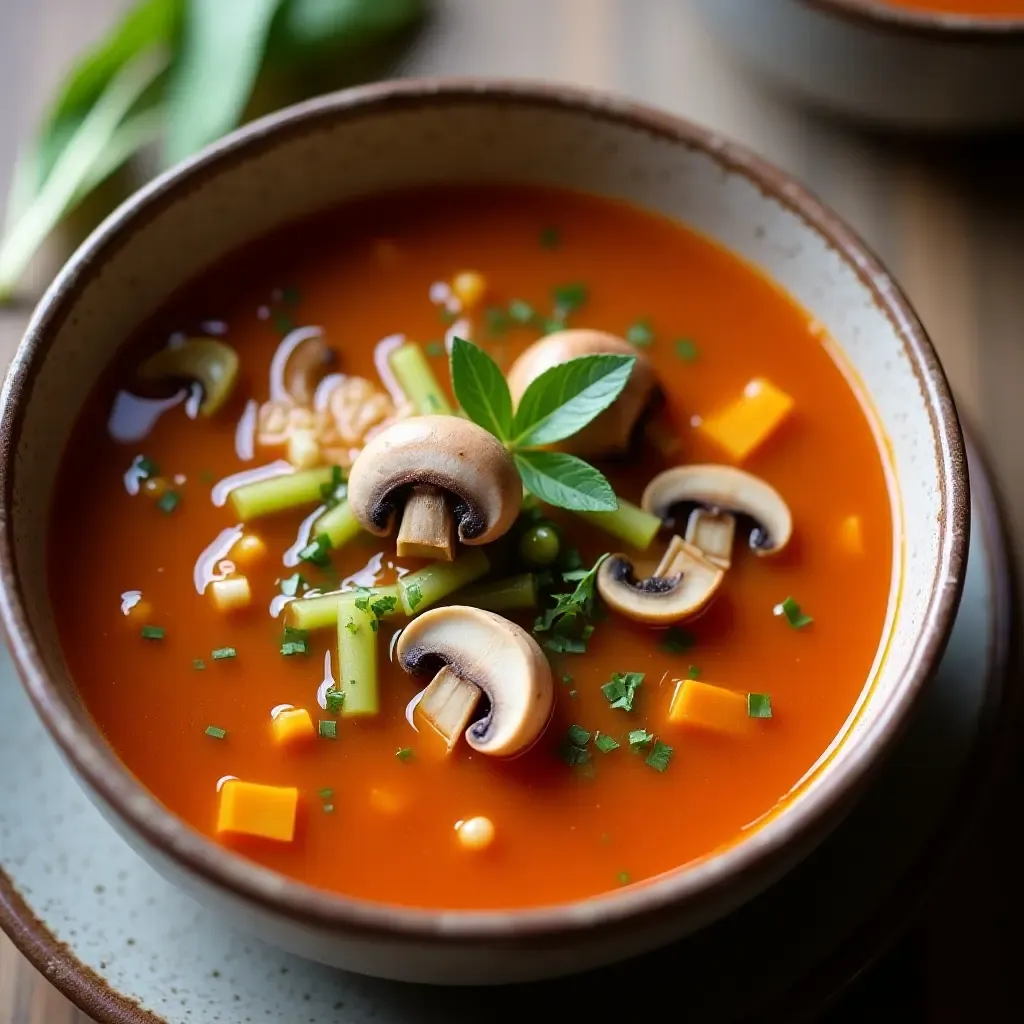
point(578, 736)
point(216, 732)
point(146, 467)
point(676, 640)
point(497, 320)
point(639, 739)
point(623, 878)
point(558, 644)
point(794, 616)
point(153, 632)
point(283, 323)
point(328, 729)
point(404, 753)
point(550, 238)
point(290, 586)
point(693, 672)
point(567, 680)
point(362, 603)
point(686, 350)
point(640, 334)
point(333, 492)
point(326, 793)
point(659, 757)
point(223, 653)
point(290, 647)
point(435, 349)
point(521, 312)
point(168, 502)
point(334, 699)
point(290, 295)
point(620, 692)
point(382, 605)
point(351, 626)
point(568, 618)
point(318, 551)
point(759, 705)
point(569, 298)
point(605, 743)
point(198, 664)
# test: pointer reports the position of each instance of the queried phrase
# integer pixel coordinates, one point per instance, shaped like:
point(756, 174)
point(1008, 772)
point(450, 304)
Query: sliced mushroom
point(609, 433)
point(712, 500)
point(307, 365)
point(476, 653)
point(681, 586)
point(210, 362)
point(443, 475)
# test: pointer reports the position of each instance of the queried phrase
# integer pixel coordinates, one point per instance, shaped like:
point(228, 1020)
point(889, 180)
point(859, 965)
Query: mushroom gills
point(448, 705)
point(427, 529)
point(712, 533)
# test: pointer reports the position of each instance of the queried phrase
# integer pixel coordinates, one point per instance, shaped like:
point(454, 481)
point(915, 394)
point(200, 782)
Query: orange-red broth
point(561, 833)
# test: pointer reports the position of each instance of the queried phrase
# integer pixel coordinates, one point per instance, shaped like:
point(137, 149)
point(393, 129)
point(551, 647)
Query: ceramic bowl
point(399, 134)
point(888, 65)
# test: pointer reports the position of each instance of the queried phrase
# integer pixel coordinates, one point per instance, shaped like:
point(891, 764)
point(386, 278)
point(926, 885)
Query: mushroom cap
point(213, 363)
point(496, 655)
point(660, 600)
point(672, 494)
point(447, 452)
point(611, 431)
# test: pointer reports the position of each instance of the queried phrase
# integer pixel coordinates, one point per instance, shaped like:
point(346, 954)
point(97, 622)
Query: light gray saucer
point(130, 949)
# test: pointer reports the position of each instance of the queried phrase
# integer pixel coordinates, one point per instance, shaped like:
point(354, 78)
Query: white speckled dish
point(390, 135)
point(131, 949)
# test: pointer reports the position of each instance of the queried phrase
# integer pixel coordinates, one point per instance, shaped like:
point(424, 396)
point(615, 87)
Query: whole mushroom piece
point(474, 654)
point(442, 475)
point(712, 501)
point(609, 433)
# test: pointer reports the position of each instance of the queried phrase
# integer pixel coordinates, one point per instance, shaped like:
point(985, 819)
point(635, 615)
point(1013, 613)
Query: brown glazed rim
point(937, 25)
point(658, 898)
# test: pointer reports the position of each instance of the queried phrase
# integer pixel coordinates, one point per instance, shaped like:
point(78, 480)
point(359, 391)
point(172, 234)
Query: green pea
point(539, 545)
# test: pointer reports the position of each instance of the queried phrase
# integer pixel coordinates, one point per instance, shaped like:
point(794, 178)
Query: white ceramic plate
point(128, 947)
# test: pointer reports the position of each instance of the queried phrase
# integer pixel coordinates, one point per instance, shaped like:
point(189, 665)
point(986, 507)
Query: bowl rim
point(936, 25)
point(696, 882)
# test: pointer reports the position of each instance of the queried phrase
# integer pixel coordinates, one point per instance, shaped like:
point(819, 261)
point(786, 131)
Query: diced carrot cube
point(851, 535)
point(704, 706)
point(293, 726)
point(251, 809)
point(747, 423)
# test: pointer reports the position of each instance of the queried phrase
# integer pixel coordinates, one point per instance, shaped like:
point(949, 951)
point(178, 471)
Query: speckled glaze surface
point(888, 65)
point(125, 944)
point(407, 133)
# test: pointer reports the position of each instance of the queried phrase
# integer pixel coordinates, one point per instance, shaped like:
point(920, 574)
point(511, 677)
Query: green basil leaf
point(221, 52)
point(566, 481)
point(88, 152)
point(480, 388)
point(565, 398)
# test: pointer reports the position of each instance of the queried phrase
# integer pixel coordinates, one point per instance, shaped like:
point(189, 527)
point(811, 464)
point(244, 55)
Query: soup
point(966, 8)
point(550, 723)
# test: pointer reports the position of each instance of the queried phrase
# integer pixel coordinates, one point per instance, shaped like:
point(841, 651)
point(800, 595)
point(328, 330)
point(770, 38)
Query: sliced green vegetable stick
point(312, 613)
point(279, 493)
point(340, 525)
point(417, 380)
point(419, 590)
point(510, 594)
point(357, 660)
point(628, 522)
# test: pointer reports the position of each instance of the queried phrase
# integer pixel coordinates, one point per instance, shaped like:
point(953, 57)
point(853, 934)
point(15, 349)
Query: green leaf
point(86, 150)
point(565, 398)
point(221, 52)
point(306, 28)
point(566, 481)
point(480, 388)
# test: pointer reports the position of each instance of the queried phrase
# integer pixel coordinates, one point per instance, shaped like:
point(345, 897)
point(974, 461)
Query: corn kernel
point(475, 833)
point(851, 535)
point(248, 808)
point(293, 725)
point(155, 486)
point(248, 549)
point(140, 612)
point(469, 288)
point(748, 422)
point(303, 449)
point(231, 594)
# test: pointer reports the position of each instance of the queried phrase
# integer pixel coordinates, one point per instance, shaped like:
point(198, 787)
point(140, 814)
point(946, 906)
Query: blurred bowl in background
point(884, 63)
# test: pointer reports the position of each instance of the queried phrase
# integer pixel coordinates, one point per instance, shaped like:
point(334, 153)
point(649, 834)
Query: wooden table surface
point(948, 218)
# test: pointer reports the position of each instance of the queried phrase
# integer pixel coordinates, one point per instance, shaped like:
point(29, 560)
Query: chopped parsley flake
point(569, 298)
point(146, 467)
point(328, 729)
point(351, 626)
point(759, 705)
point(327, 793)
point(521, 312)
point(198, 664)
point(685, 349)
point(794, 616)
point(566, 623)
point(605, 743)
point(639, 739)
point(623, 878)
point(216, 732)
point(578, 736)
point(168, 502)
point(318, 551)
point(404, 753)
point(153, 632)
point(414, 595)
point(620, 692)
point(290, 586)
point(382, 605)
point(573, 749)
point(294, 642)
point(693, 672)
point(550, 238)
point(435, 349)
point(223, 653)
point(567, 680)
point(640, 334)
point(659, 757)
point(677, 640)
point(334, 700)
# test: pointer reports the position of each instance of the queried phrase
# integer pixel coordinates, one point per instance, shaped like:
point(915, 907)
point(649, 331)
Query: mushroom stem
point(712, 533)
point(448, 705)
point(428, 529)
